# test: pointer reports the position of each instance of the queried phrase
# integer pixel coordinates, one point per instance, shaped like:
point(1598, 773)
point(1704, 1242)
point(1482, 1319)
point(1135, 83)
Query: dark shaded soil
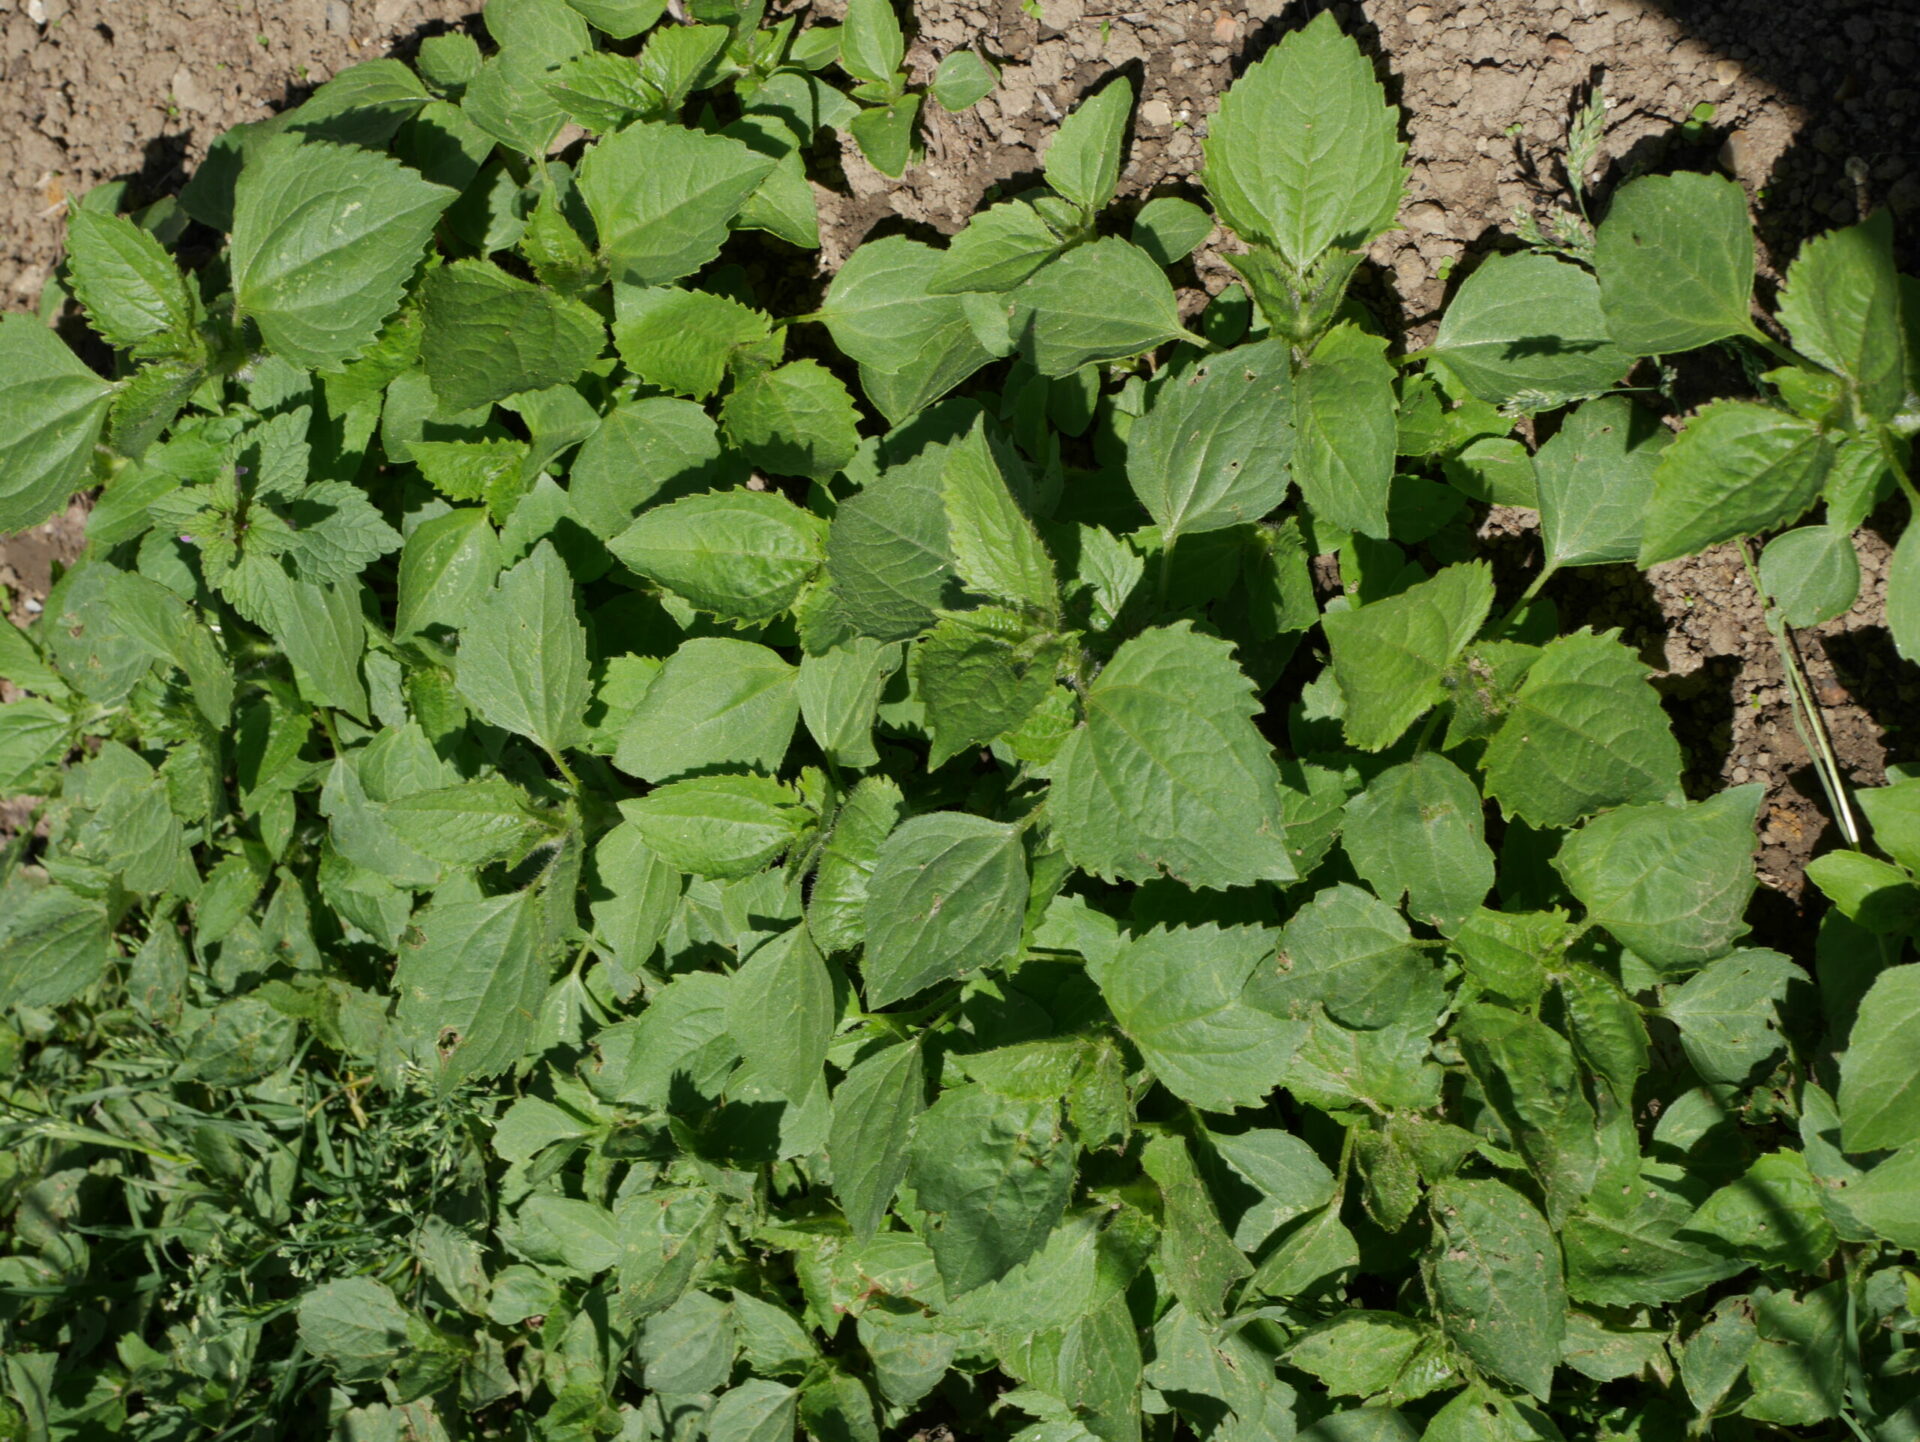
point(1814, 107)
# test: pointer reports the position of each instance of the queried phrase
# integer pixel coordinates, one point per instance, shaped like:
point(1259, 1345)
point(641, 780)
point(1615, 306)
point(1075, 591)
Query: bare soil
point(1812, 104)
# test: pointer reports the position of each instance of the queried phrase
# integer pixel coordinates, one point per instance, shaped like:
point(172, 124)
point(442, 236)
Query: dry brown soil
point(1814, 108)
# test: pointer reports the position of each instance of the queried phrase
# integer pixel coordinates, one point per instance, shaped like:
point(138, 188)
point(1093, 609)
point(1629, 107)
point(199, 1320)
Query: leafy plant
point(595, 883)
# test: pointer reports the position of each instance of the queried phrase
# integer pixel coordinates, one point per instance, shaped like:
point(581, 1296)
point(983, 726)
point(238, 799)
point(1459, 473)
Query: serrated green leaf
point(981, 674)
point(1418, 831)
point(54, 944)
point(839, 693)
point(1842, 306)
point(741, 554)
point(681, 1053)
point(1608, 1033)
point(1213, 448)
point(683, 340)
point(362, 105)
point(1892, 810)
point(755, 1411)
point(1674, 258)
point(1389, 657)
point(1082, 161)
point(1879, 1073)
point(662, 195)
point(466, 825)
point(993, 1175)
point(355, 1326)
point(1362, 1353)
point(359, 831)
point(471, 984)
point(678, 58)
point(837, 905)
point(1633, 1258)
point(1496, 1275)
point(1585, 731)
point(488, 470)
point(997, 249)
point(1730, 1015)
point(875, 1111)
point(33, 735)
point(794, 420)
point(912, 344)
point(1480, 1414)
point(642, 448)
point(1182, 997)
point(642, 891)
point(1716, 1354)
point(523, 654)
point(1509, 954)
point(51, 410)
point(962, 79)
point(996, 549)
point(1812, 574)
point(716, 704)
point(718, 826)
point(945, 899)
point(149, 402)
point(1798, 1367)
point(1291, 1180)
point(782, 1013)
point(1350, 954)
point(871, 43)
point(1527, 1072)
point(884, 133)
point(489, 336)
point(1305, 152)
point(1770, 1216)
point(324, 239)
point(1903, 595)
point(1887, 1198)
point(1345, 417)
point(1736, 470)
point(130, 286)
point(1103, 301)
point(1198, 1259)
point(159, 620)
point(622, 19)
point(1170, 229)
point(889, 557)
point(1671, 882)
point(1595, 481)
point(321, 630)
point(1169, 774)
point(447, 567)
point(1529, 324)
point(689, 1347)
point(602, 91)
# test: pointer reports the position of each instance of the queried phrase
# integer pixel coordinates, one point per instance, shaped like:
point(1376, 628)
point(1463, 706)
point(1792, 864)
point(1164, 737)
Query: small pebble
point(1156, 113)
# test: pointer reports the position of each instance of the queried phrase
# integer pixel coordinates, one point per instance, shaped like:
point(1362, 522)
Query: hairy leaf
point(1169, 774)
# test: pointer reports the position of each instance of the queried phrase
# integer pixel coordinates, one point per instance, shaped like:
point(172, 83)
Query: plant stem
point(1505, 623)
point(1891, 449)
point(1808, 722)
point(1773, 347)
point(1165, 580)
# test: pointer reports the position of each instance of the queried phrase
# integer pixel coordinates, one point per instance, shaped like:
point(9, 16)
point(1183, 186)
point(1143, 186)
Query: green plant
point(872, 49)
point(587, 890)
